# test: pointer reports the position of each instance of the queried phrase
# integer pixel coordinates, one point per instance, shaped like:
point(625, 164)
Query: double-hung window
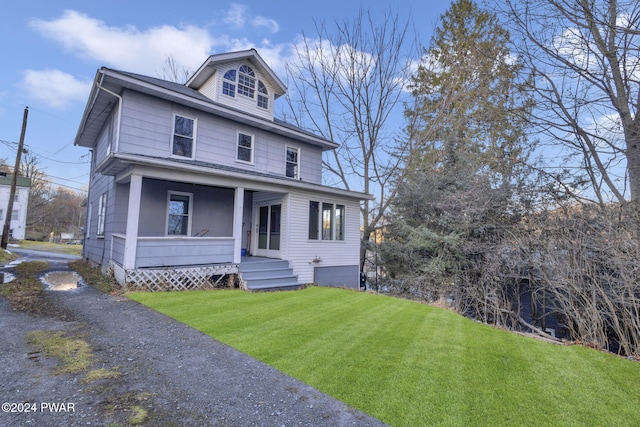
point(229, 83)
point(326, 221)
point(263, 96)
point(102, 213)
point(183, 136)
point(292, 162)
point(179, 214)
point(245, 147)
point(246, 81)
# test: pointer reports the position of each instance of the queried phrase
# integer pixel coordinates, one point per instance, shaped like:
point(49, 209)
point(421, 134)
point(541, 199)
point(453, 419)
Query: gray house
point(192, 181)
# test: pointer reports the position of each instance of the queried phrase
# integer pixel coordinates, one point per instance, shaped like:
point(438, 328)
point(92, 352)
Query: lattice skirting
point(178, 279)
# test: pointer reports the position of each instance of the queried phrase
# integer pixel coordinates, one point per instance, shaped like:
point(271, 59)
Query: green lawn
point(411, 364)
point(51, 247)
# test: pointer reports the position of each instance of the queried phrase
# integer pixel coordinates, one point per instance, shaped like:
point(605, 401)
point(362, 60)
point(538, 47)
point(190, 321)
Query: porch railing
point(175, 251)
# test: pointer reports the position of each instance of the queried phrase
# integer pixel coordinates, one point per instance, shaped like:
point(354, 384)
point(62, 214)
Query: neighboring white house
point(189, 181)
point(20, 204)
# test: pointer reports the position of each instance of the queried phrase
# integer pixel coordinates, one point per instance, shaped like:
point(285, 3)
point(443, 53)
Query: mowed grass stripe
point(412, 364)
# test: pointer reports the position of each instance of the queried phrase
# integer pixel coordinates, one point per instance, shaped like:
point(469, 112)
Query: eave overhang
point(101, 102)
point(122, 165)
point(209, 67)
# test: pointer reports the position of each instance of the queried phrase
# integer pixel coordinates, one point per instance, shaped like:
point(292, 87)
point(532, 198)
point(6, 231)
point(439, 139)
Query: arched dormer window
point(229, 83)
point(246, 81)
point(263, 96)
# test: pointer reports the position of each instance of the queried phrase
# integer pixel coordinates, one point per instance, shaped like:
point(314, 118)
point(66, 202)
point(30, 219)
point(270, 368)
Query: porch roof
point(122, 165)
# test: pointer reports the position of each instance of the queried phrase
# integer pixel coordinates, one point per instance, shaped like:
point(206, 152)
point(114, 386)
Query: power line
point(68, 186)
point(67, 179)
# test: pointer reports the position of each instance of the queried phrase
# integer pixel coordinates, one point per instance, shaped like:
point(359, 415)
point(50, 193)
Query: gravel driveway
point(180, 376)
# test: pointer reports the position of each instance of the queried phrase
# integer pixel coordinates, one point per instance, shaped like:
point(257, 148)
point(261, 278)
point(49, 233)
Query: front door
point(268, 230)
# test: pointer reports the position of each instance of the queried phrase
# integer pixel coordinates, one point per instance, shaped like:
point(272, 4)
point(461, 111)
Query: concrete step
point(263, 264)
point(268, 274)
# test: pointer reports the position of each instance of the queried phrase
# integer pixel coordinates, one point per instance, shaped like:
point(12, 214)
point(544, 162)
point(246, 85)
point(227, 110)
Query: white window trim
point(263, 95)
point(102, 215)
point(253, 147)
point(173, 133)
point(231, 82)
point(286, 149)
point(248, 76)
point(334, 231)
point(189, 218)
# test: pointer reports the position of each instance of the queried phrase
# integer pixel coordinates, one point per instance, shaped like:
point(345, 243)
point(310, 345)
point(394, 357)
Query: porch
point(252, 273)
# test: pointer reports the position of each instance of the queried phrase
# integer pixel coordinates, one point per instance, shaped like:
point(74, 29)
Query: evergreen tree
point(460, 191)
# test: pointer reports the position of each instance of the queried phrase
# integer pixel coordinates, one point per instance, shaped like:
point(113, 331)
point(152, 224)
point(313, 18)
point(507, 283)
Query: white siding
point(210, 88)
point(240, 102)
point(302, 251)
point(20, 204)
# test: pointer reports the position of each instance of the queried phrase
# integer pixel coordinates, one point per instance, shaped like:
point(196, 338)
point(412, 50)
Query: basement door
point(268, 231)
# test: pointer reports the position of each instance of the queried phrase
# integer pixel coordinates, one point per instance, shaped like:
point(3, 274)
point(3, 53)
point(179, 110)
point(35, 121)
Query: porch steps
point(267, 274)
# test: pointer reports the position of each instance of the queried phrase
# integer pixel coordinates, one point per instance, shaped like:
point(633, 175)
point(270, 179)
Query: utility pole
point(14, 182)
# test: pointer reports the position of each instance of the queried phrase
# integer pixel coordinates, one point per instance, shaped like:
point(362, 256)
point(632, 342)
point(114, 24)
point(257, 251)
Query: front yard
point(50, 247)
point(411, 364)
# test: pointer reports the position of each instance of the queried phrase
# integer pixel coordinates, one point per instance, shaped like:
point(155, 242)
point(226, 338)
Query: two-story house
point(191, 181)
point(18, 224)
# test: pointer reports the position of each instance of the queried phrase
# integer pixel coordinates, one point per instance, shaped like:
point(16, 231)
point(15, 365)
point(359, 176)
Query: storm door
point(269, 227)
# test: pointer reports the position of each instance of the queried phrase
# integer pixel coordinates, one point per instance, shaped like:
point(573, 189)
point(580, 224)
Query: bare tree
point(39, 193)
point(173, 71)
point(4, 166)
point(585, 57)
point(346, 85)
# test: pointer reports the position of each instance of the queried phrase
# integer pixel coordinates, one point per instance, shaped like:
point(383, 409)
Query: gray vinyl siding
point(105, 140)
point(117, 250)
point(344, 275)
point(154, 253)
point(302, 252)
point(147, 126)
point(121, 207)
point(212, 208)
point(97, 248)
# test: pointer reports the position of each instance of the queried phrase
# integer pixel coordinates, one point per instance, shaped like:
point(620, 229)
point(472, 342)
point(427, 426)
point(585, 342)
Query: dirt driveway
point(168, 373)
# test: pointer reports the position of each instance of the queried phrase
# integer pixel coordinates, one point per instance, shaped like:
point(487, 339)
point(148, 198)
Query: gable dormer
point(240, 80)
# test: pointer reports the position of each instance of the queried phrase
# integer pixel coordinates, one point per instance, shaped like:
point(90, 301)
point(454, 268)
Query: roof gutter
point(224, 111)
point(134, 160)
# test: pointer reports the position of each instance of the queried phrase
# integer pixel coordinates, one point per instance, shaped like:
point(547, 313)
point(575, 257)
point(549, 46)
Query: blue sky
point(53, 49)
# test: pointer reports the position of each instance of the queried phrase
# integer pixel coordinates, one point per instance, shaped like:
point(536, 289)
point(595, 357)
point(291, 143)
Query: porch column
point(133, 219)
point(238, 216)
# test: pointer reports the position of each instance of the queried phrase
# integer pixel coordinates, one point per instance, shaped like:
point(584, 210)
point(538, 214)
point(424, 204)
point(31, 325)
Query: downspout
point(119, 117)
point(110, 149)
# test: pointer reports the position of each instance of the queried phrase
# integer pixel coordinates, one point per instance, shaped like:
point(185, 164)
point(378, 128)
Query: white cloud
point(238, 14)
point(54, 87)
point(142, 51)
point(266, 23)
point(235, 16)
point(127, 48)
